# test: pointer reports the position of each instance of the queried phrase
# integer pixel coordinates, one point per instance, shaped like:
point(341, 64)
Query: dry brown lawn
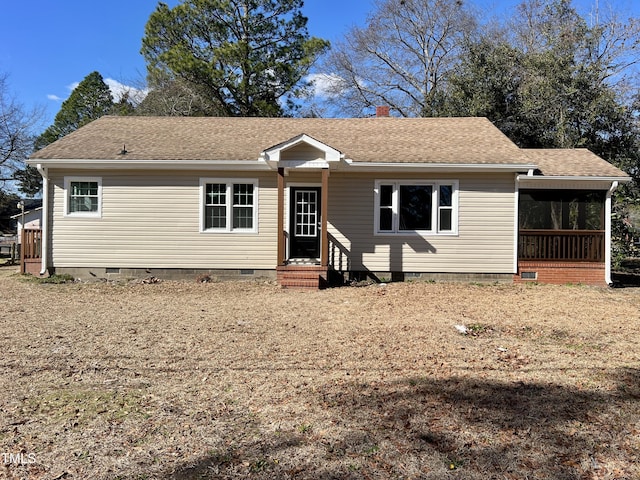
point(245, 380)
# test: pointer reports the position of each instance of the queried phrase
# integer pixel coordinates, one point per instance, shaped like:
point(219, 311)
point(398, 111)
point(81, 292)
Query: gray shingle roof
point(429, 140)
point(467, 141)
point(571, 162)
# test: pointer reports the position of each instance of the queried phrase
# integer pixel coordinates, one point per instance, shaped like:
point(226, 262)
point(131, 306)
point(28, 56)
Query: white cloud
point(325, 85)
point(136, 95)
point(53, 97)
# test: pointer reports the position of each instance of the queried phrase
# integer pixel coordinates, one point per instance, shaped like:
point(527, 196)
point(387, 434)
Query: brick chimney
point(382, 111)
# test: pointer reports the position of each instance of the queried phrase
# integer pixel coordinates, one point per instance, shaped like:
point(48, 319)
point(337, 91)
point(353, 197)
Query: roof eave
point(442, 167)
point(575, 178)
point(167, 164)
point(262, 164)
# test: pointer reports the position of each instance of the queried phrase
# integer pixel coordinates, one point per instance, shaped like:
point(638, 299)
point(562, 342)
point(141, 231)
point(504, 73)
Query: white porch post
point(44, 248)
point(607, 234)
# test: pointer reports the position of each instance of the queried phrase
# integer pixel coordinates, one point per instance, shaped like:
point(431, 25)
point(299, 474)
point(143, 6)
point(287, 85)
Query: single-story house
point(306, 200)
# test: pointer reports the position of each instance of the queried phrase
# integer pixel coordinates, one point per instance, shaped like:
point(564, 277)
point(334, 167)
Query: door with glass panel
point(304, 223)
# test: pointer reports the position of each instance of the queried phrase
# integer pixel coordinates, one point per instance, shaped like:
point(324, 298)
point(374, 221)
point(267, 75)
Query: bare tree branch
point(402, 58)
point(17, 127)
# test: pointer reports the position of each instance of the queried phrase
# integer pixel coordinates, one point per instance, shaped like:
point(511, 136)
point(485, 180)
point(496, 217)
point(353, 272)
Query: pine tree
point(90, 100)
point(244, 57)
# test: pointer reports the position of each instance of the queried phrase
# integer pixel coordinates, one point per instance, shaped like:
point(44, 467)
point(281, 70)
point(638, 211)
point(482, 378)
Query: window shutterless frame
point(228, 205)
point(83, 197)
point(416, 207)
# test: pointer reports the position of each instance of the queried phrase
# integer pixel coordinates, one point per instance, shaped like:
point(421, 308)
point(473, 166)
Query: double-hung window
point(229, 205)
point(423, 207)
point(83, 196)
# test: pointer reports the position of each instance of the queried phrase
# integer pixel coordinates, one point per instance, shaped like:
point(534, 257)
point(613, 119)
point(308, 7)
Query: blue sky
point(48, 46)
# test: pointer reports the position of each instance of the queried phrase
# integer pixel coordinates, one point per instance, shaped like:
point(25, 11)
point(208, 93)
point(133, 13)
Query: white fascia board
point(568, 178)
point(303, 164)
point(440, 167)
point(26, 212)
point(154, 164)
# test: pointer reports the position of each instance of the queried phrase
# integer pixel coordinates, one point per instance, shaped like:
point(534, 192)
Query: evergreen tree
point(124, 106)
point(548, 87)
point(242, 57)
point(8, 207)
point(90, 100)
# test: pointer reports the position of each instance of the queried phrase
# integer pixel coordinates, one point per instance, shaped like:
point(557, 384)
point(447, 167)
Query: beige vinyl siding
point(153, 219)
point(302, 153)
point(306, 177)
point(484, 243)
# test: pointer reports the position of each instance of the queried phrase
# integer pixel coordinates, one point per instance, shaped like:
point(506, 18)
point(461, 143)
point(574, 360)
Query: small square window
point(82, 196)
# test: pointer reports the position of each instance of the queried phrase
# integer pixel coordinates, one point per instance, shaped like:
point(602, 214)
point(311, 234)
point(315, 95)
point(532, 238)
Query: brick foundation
point(586, 273)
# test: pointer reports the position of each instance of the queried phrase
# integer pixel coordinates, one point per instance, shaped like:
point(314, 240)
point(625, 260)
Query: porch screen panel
point(561, 210)
point(561, 225)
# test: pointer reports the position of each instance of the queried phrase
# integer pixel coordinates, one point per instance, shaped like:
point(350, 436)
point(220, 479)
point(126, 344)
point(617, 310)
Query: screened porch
point(561, 225)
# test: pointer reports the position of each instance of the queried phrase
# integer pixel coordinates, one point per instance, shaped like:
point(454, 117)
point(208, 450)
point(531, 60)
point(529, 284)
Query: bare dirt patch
point(245, 380)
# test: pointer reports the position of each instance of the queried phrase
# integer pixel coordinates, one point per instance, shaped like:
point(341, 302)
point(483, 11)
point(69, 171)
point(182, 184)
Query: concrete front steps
point(302, 277)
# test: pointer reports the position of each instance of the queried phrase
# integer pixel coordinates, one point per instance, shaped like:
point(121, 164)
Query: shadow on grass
point(450, 428)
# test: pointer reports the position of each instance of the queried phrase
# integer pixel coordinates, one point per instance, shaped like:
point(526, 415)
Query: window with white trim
point(424, 207)
point(229, 205)
point(83, 196)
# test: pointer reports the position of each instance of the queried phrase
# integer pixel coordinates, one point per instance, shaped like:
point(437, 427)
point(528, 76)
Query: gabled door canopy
point(279, 156)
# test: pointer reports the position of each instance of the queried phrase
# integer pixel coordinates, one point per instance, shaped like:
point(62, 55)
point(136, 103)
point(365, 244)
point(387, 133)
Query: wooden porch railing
point(30, 250)
point(561, 245)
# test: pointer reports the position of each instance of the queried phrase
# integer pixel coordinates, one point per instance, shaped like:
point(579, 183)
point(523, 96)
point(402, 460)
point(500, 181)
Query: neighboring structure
point(29, 235)
point(32, 217)
point(307, 200)
point(8, 246)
